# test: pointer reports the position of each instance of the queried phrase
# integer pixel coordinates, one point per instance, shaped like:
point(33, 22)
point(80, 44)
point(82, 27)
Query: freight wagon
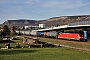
point(19, 32)
point(41, 34)
point(27, 32)
point(22, 32)
point(33, 33)
point(52, 34)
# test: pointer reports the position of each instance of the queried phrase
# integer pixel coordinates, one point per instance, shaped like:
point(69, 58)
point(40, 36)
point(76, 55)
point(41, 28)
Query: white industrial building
point(42, 25)
point(36, 27)
point(31, 27)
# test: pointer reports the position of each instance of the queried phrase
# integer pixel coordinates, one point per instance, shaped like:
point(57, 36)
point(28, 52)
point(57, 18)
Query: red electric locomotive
point(71, 36)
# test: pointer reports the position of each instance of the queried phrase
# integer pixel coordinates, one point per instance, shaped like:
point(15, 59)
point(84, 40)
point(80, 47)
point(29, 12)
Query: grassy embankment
point(42, 53)
point(68, 43)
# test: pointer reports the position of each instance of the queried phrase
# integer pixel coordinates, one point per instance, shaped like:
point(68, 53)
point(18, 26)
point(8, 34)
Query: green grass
point(43, 54)
point(12, 42)
point(66, 43)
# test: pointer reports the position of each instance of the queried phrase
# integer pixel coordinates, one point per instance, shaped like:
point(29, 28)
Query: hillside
point(49, 22)
point(65, 20)
point(20, 22)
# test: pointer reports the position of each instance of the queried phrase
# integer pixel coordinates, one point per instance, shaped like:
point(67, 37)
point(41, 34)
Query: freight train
point(53, 34)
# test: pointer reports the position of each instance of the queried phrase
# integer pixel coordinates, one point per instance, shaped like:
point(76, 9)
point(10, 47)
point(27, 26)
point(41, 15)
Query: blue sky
point(42, 9)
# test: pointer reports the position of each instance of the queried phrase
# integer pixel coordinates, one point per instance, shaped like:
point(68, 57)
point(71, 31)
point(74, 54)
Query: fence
point(80, 23)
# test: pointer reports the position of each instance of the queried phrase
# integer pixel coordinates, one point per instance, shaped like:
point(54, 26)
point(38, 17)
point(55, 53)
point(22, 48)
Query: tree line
point(6, 31)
